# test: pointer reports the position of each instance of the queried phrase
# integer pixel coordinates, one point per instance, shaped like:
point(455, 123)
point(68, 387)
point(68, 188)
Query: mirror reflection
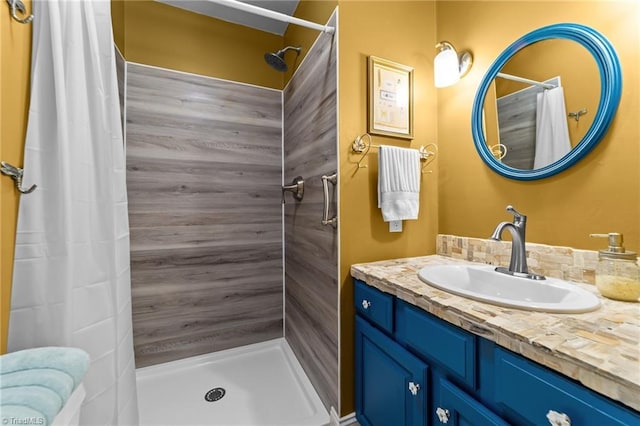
point(541, 104)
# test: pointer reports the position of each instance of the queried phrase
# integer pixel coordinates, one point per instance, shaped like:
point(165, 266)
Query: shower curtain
point(71, 284)
point(552, 131)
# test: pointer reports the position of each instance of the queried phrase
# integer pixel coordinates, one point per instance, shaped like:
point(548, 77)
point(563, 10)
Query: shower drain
point(214, 394)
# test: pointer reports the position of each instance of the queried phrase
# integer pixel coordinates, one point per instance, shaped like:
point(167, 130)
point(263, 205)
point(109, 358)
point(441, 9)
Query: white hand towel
point(398, 183)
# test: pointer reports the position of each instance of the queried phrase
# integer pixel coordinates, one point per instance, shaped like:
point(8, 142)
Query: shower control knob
point(366, 304)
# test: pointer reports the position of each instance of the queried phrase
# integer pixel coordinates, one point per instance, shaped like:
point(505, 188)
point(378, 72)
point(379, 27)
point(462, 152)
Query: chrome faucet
point(518, 263)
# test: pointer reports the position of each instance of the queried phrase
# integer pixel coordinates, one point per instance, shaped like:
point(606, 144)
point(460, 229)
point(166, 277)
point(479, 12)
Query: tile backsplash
point(554, 261)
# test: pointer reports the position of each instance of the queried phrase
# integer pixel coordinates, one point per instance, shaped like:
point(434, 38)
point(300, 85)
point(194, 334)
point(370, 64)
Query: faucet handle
point(516, 215)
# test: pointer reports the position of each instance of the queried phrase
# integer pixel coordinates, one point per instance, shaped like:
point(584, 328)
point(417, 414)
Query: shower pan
point(258, 385)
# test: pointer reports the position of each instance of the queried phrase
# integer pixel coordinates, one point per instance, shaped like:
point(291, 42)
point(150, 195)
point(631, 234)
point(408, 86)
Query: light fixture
point(449, 66)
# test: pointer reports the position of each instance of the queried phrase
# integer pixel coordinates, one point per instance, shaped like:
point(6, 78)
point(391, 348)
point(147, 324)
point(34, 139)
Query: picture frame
point(390, 96)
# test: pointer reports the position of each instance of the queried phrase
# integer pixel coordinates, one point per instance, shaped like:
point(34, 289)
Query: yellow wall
point(310, 10)
point(117, 23)
point(15, 64)
point(169, 37)
point(600, 194)
point(404, 32)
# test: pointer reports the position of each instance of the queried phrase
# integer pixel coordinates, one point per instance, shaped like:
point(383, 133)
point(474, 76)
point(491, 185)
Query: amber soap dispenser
point(617, 273)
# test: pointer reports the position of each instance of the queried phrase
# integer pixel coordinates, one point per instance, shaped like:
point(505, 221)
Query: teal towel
point(72, 361)
point(43, 400)
point(36, 383)
point(59, 382)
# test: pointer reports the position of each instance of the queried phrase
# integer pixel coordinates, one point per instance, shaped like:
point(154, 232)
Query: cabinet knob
point(414, 388)
point(558, 419)
point(366, 304)
point(443, 415)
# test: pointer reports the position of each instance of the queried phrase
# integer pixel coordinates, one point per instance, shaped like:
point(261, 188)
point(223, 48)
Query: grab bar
point(333, 179)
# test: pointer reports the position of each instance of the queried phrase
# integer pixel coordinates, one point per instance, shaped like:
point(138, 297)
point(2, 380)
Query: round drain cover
point(214, 394)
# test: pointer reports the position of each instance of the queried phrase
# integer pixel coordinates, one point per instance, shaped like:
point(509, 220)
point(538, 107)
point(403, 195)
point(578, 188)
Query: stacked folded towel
point(36, 383)
point(398, 183)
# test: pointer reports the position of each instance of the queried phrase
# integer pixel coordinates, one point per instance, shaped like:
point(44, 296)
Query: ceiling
point(224, 13)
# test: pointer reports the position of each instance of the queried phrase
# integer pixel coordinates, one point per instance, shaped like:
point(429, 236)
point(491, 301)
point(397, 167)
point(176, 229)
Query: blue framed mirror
point(535, 118)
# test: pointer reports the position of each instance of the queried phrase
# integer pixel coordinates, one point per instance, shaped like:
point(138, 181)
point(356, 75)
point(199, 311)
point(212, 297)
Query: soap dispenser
point(617, 273)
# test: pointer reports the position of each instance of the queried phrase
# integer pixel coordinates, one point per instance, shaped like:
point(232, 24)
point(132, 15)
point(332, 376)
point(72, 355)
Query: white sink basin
point(485, 284)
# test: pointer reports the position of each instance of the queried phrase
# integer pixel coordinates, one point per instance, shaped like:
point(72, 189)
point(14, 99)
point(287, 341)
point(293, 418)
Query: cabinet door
point(528, 392)
point(440, 343)
point(391, 383)
point(457, 408)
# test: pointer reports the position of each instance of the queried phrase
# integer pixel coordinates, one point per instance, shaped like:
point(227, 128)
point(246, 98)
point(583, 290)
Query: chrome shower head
point(276, 59)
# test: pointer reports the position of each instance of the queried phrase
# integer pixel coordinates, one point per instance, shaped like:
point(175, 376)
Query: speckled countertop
point(600, 349)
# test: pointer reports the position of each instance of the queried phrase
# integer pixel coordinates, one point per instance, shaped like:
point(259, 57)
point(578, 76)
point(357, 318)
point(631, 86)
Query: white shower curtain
point(71, 284)
point(552, 131)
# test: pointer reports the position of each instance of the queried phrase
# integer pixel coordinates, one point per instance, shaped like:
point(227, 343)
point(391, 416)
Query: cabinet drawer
point(439, 342)
point(374, 305)
point(462, 408)
point(528, 391)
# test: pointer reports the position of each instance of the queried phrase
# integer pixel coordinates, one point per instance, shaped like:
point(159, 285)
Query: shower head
point(276, 59)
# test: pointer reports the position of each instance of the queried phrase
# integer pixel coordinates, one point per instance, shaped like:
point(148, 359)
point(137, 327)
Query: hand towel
point(398, 183)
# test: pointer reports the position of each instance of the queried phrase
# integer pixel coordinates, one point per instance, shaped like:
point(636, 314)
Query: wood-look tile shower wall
point(311, 249)
point(203, 176)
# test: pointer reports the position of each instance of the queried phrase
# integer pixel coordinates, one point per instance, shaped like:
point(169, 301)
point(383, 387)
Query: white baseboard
point(344, 421)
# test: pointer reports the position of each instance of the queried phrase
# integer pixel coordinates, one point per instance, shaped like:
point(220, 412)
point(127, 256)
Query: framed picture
point(390, 98)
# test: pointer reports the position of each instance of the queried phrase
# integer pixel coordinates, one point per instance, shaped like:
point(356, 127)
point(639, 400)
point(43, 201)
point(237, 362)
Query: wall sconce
point(449, 66)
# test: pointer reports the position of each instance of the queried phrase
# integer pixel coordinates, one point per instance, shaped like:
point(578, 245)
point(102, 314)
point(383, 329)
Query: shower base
point(256, 385)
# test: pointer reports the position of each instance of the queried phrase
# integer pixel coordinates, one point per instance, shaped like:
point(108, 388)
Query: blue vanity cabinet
point(413, 368)
point(391, 383)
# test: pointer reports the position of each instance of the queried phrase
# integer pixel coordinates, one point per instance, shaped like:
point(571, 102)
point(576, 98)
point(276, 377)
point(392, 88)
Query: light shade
point(446, 69)
point(448, 66)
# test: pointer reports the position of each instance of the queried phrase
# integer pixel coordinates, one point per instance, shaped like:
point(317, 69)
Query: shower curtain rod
point(525, 80)
point(234, 4)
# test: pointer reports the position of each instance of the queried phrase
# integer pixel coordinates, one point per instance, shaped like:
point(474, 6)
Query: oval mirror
point(539, 109)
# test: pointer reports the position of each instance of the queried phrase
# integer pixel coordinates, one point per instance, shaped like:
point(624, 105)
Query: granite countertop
point(600, 349)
